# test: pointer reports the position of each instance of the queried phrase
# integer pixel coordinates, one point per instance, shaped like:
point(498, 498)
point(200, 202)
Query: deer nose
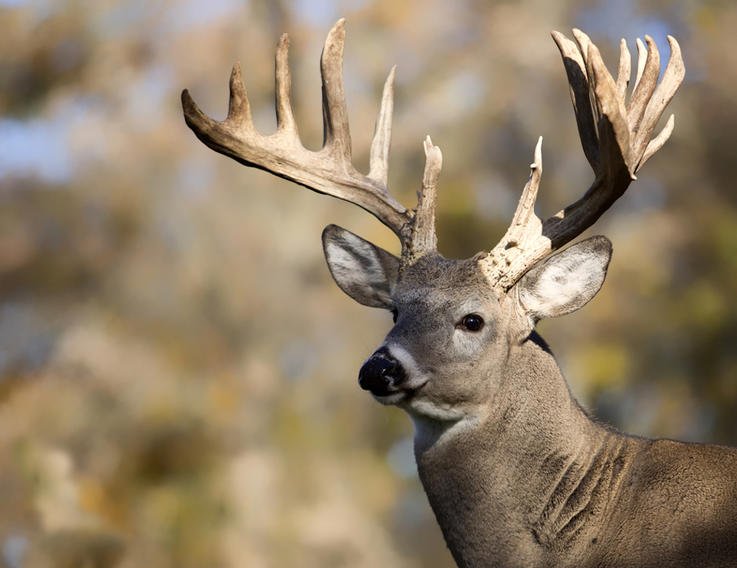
point(380, 373)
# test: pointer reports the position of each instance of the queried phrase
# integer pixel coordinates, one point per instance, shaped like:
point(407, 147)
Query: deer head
point(455, 319)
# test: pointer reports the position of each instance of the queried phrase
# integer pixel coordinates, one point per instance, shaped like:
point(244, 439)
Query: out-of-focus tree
point(176, 367)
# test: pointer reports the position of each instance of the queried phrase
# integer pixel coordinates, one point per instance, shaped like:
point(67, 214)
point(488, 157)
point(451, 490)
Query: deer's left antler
point(616, 135)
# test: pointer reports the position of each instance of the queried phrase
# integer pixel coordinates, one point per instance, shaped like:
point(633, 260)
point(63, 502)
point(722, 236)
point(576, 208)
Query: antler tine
point(239, 109)
point(337, 136)
point(508, 260)
point(641, 61)
point(660, 140)
point(525, 221)
point(647, 81)
point(625, 70)
point(614, 135)
point(328, 171)
point(424, 238)
point(616, 141)
point(283, 79)
point(379, 156)
point(578, 84)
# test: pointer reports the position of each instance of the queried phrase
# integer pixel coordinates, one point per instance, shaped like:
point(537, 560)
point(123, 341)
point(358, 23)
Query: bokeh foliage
point(177, 370)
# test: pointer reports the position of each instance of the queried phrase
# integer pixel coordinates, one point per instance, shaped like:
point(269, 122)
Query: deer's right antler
point(329, 170)
point(617, 140)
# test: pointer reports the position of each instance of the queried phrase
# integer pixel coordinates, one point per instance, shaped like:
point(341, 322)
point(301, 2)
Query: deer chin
point(390, 399)
point(424, 408)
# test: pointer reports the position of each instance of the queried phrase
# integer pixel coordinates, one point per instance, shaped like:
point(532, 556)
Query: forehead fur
point(434, 272)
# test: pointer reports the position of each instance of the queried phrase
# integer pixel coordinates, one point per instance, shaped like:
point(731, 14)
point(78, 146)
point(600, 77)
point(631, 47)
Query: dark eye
point(395, 314)
point(471, 322)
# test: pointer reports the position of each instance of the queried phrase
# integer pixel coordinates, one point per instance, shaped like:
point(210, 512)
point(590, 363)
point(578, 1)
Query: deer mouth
point(401, 394)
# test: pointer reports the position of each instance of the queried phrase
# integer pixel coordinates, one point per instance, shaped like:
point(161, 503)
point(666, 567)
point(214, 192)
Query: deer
point(516, 472)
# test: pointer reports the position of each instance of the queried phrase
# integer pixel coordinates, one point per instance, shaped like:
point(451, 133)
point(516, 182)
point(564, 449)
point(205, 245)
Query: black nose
point(380, 373)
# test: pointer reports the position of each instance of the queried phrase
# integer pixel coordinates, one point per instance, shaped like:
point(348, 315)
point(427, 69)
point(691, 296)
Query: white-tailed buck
point(516, 472)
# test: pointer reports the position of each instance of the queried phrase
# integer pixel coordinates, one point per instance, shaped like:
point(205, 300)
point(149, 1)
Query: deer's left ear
point(565, 281)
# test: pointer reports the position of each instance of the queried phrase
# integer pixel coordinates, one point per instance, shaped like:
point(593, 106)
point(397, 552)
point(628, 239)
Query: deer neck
point(513, 480)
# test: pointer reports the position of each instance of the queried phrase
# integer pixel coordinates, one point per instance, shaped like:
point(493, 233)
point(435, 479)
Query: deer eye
point(471, 322)
point(395, 314)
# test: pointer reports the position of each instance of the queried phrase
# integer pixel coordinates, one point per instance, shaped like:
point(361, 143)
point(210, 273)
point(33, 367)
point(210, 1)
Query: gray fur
point(515, 471)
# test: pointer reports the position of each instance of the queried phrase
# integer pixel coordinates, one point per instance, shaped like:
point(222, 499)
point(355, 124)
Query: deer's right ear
point(364, 271)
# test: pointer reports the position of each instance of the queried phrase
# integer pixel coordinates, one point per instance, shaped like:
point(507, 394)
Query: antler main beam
point(616, 136)
point(329, 170)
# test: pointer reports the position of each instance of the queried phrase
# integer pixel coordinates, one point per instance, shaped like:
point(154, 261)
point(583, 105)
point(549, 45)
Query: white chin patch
point(390, 399)
point(436, 412)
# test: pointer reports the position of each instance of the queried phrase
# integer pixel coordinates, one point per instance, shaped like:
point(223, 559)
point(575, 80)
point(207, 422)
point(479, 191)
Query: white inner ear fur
point(564, 283)
point(358, 264)
point(357, 268)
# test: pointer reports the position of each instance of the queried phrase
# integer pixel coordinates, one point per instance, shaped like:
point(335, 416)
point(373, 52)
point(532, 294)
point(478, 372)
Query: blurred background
point(177, 369)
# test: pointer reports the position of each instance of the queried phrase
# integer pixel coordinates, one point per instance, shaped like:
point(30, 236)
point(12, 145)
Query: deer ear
point(566, 281)
point(364, 271)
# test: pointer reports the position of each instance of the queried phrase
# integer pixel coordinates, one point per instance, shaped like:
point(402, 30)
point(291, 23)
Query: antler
point(617, 140)
point(329, 170)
